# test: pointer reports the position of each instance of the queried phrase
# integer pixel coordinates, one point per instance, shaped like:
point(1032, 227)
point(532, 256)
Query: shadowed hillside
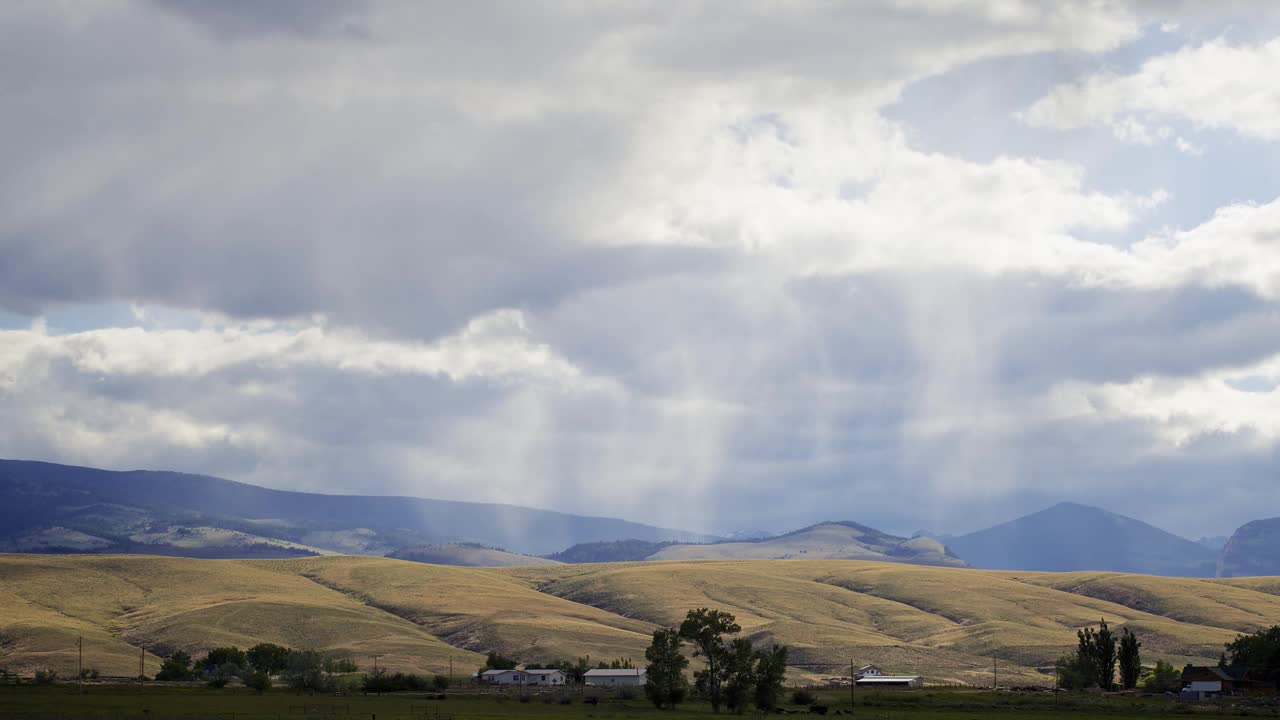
point(1254, 549)
point(944, 623)
point(60, 508)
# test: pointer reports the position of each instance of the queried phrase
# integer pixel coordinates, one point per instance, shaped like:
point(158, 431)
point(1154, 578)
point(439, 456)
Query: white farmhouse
point(627, 677)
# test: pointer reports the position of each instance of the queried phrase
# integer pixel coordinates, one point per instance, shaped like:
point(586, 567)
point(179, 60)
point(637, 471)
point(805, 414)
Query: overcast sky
point(918, 264)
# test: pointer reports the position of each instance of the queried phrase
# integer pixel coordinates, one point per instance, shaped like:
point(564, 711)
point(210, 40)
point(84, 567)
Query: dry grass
point(944, 623)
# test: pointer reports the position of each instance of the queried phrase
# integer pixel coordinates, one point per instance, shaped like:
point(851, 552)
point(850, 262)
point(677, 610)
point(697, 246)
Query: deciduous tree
point(665, 683)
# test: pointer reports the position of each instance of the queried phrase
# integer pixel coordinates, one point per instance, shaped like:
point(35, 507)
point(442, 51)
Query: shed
point(624, 677)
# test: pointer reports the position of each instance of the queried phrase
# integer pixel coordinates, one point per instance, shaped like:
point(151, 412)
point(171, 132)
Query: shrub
point(333, 665)
point(525, 698)
point(627, 693)
point(381, 681)
point(175, 667)
point(566, 700)
point(258, 680)
point(90, 673)
point(440, 682)
point(802, 697)
point(221, 675)
point(46, 677)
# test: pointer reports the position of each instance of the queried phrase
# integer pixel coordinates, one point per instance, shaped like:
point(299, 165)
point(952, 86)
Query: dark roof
point(1229, 674)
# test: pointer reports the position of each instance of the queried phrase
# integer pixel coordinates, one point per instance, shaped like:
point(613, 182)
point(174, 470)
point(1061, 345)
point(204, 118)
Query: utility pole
point(451, 669)
point(80, 664)
point(375, 662)
point(142, 657)
point(852, 684)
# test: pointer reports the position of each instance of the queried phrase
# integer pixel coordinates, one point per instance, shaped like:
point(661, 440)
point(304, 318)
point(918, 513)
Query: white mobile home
point(503, 677)
point(627, 677)
point(545, 677)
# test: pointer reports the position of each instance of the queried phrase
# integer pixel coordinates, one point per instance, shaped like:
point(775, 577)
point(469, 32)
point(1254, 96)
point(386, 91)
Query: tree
point(665, 684)
point(496, 661)
point(268, 658)
point(1130, 659)
point(1258, 655)
point(576, 671)
point(175, 667)
point(1164, 678)
point(217, 657)
point(219, 676)
point(1097, 650)
point(1074, 672)
point(258, 680)
point(306, 671)
point(771, 673)
point(706, 630)
point(739, 674)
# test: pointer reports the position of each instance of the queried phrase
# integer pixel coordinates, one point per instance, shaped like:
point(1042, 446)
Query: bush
point(175, 667)
point(90, 673)
point(802, 697)
point(333, 665)
point(566, 700)
point(525, 698)
point(258, 680)
point(46, 677)
point(381, 681)
point(440, 682)
point(220, 676)
point(305, 673)
point(627, 693)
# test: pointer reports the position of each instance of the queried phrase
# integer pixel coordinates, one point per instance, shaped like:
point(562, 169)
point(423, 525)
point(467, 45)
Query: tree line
point(1101, 654)
point(301, 670)
point(735, 672)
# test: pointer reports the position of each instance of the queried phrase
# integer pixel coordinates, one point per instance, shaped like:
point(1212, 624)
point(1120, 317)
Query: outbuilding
point(625, 677)
point(890, 681)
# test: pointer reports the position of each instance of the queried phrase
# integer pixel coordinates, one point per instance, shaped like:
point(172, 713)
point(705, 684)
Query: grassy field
point(948, 624)
point(151, 703)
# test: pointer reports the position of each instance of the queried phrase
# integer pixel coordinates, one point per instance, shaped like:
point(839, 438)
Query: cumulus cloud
point(1217, 84)
point(672, 263)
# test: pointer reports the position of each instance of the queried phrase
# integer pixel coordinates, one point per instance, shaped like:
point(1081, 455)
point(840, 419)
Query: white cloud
point(495, 347)
point(625, 259)
point(1216, 85)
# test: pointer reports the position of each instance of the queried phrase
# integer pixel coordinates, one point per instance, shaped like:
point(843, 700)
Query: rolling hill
point(59, 508)
point(1069, 537)
point(824, 541)
point(1254, 549)
point(944, 623)
point(467, 555)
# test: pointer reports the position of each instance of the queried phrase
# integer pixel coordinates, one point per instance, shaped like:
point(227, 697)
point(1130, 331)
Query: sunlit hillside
point(947, 624)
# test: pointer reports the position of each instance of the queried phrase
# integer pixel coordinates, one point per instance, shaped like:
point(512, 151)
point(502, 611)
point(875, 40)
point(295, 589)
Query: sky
point(921, 264)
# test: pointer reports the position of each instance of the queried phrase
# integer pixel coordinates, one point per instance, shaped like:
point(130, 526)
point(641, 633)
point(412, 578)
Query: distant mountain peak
point(1070, 536)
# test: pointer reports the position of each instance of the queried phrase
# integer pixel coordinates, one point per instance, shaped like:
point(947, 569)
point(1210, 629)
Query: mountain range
point(51, 508)
point(48, 508)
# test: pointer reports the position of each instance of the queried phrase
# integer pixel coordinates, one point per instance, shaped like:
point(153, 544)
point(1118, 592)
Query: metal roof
point(613, 672)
